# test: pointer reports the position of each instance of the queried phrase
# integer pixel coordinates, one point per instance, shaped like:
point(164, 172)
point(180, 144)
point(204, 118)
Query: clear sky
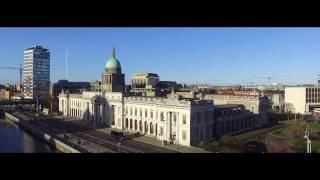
point(191, 55)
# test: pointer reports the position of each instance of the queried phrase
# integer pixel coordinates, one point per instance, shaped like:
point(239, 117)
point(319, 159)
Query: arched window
point(135, 125)
point(126, 125)
point(151, 128)
point(146, 127)
point(140, 125)
point(130, 123)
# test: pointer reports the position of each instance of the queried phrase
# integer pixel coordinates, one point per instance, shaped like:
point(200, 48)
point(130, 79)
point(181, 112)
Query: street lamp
point(119, 144)
point(306, 136)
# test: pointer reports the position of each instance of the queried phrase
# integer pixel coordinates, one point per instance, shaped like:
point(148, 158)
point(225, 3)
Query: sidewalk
point(155, 142)
point(150, 140)
point(182, 149)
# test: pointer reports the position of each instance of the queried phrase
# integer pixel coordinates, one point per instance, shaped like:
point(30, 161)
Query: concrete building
point(36, 72)
point(172, 119)
point(95, 85)
point(302, 99)
point(276, 100)
point(72, 87)
point(255, 104)
point(232, 119)
point(5, 94)
point(142, 80)
point(145, 84)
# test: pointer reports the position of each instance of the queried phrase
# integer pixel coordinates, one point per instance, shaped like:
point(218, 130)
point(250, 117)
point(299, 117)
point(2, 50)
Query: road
point(105, 140)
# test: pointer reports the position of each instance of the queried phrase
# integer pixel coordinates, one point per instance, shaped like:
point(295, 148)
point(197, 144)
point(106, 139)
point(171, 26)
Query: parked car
point(256, 147)
point(117, 134)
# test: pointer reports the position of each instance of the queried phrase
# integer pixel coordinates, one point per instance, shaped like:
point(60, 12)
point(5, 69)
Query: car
point(117, 134)
point(256, 147)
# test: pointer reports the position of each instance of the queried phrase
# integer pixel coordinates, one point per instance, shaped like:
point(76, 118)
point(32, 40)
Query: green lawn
point(254, 133)
point(211, 146)
point(280, 132)
point(315, 144)
point(214, 147)
point(315, 127)
point(292, 121)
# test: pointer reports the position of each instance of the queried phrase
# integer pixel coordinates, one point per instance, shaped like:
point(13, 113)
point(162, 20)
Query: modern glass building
point(36, 72)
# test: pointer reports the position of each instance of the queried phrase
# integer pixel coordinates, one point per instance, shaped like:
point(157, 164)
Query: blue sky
point(204, 55)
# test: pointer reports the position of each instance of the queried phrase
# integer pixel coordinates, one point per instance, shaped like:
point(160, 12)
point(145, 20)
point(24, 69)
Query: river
point(15, 140)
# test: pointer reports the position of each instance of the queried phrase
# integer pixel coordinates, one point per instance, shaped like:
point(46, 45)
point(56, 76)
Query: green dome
point(113, 63)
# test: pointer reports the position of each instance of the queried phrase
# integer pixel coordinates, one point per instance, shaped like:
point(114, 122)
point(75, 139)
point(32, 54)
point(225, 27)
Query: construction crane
point(15, 68)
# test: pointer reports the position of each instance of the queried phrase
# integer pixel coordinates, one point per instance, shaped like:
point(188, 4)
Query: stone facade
point(232, 119)
point(112, 78)
point(255, 104)
point(167, 119)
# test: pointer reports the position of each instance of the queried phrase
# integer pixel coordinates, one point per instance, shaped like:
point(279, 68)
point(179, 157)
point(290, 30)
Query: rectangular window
point(112, 115)
point(145, 113)
point(206, 116)
point(198, 118)
point(208, 131)
point(184, 119)
point(151, 114)
point(184, 135)
point(161, 131)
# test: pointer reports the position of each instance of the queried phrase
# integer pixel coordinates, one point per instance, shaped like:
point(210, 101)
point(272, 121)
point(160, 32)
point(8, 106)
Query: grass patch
point(253, 133)
point(298, 142)
point(214, 146)
point(315, 127)
point(289, 122)
point(280, 132)
point(301, 143)
point(211, 146)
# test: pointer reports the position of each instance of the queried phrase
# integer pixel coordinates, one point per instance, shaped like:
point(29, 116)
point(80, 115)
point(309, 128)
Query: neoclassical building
point(182, 121)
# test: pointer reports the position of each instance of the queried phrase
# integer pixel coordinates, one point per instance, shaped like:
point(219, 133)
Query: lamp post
point(306, 136)
point(119, 144)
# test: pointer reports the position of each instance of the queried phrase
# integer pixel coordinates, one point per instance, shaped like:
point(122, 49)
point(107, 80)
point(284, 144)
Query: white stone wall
point(128, 117)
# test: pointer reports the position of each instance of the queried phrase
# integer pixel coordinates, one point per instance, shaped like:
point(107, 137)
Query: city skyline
point(218, 56)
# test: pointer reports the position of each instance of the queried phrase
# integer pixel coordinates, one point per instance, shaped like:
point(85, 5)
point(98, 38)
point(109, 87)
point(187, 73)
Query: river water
point(15, 140)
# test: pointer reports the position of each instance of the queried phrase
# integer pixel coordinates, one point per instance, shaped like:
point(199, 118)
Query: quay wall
point(53, 141)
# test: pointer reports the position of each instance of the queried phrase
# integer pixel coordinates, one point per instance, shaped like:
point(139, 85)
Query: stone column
point(166, 126)
point(143, 128)
point(134, 125)
point(98, 113)
point(92, 112)
point(103, 112)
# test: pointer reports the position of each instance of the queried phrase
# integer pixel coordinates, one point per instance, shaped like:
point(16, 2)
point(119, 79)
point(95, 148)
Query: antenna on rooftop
point(66, 64)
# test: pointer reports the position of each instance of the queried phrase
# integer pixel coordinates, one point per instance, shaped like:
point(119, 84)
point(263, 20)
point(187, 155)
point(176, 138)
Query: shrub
point(231, 141)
